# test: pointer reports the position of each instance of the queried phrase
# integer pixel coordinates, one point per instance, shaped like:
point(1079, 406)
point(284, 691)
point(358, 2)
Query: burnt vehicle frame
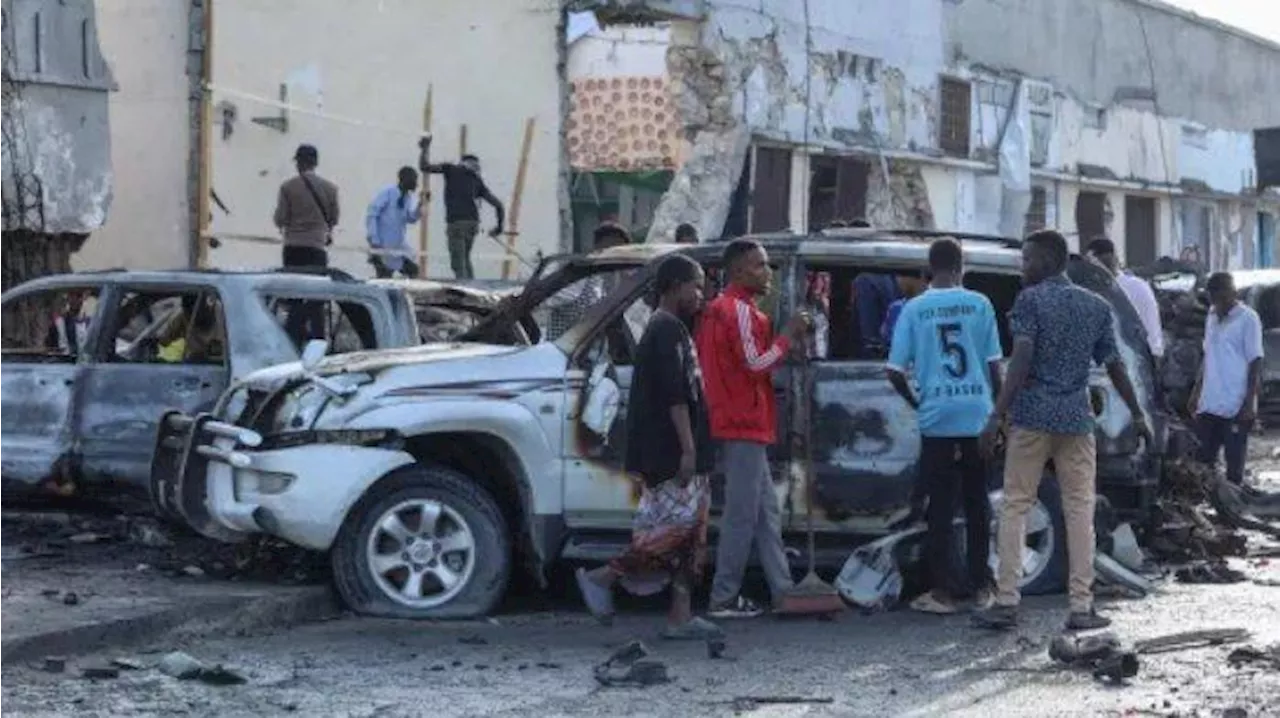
point(576, 502)
point(84, 423)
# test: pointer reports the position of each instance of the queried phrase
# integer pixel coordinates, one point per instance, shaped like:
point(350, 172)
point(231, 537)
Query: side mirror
point(313, 352)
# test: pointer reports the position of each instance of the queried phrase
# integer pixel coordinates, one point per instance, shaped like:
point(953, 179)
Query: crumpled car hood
point(372, 362)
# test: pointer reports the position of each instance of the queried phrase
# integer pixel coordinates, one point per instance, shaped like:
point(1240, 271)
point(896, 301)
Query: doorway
point(1139, 231)
point(771, 191)
point(1091, 219)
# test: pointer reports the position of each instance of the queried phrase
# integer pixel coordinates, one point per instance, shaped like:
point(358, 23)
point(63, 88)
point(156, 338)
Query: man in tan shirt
point(306, 212)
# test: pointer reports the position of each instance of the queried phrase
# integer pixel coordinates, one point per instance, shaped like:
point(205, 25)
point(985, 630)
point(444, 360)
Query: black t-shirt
point(462, 188)
point(666, 375)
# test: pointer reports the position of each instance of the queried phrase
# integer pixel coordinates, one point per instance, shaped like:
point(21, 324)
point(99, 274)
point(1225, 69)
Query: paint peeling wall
point(493, 63)
point(57, 146)
point(864, 75)
point(150, 223)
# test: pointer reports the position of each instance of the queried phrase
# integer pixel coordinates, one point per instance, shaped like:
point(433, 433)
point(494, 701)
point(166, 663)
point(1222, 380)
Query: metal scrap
point(1100, 653)
point(1190, 639)
point(630, 666)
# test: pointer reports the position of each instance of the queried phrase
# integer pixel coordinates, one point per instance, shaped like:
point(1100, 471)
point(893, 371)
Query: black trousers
point(953, 471)
point(408, 269)
point(1217, 434)
point(306, 319)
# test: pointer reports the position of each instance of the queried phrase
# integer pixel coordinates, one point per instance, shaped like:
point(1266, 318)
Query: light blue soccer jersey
point(944, 339)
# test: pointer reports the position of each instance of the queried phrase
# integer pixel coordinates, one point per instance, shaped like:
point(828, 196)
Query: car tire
point(479, 573)
point(1050, 574)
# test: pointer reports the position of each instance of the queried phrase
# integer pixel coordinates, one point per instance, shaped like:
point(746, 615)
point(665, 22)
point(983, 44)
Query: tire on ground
point(488, 582)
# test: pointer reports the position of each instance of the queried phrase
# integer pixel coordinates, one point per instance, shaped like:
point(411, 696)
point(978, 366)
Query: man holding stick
point(462, 188)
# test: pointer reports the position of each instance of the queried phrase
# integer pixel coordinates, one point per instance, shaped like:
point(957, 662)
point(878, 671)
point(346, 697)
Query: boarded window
point(771, 193)
point(956, 109)
point(1036, 212)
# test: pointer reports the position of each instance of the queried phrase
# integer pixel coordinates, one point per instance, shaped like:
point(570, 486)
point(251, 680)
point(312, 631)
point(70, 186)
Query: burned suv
point(428, 473)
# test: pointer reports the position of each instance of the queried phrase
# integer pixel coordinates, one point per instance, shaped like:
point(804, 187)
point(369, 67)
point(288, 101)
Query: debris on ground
point(630, 666)
point(188, 668)
point(1268, 657)
point(128, 664)
point(54, 664)
point(1100, 653)
point(143, 541)
point(1208, 571)
point(1191, 639)
point(100, 672)
point(71, 598)
point(473, 640)
point(742, 704)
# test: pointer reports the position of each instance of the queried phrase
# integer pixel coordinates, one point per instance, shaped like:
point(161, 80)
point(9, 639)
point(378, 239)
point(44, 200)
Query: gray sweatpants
point(751, 516)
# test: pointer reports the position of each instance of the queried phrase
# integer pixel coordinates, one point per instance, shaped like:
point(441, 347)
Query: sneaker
point(997, 618)
point(1086, 621)
point(740, 607)
point(929, 603)
point(984, 599)
point(599, 599)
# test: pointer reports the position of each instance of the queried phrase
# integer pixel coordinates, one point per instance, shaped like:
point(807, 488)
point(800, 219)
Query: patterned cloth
point(1071, 328)
point(668, 536)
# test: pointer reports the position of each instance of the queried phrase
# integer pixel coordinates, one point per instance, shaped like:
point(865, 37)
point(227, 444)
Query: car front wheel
point(424, 542)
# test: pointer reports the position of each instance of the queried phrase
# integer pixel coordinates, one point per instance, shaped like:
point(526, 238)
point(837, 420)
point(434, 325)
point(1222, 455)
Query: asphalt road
point(896, 664)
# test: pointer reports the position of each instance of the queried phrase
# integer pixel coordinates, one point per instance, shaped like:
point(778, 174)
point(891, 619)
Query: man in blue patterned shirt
point(1059, 331)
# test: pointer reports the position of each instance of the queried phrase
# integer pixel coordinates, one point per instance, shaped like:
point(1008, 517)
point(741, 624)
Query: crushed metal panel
point(866, 444)
point(37, 435)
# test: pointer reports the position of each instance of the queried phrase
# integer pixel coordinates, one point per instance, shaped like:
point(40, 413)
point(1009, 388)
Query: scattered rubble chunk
point(1191, 639)
point(100, 672)
point(87, 537)
point(193, 571)
point(128, 664)
point(220, 675)
point(180, 665)
point(71, 598)
point(54, 664)
point(1235, 712)
point(148, 534)
point(473, 640)
point(1267, 657)
point(1208, 572)
point(630, 666)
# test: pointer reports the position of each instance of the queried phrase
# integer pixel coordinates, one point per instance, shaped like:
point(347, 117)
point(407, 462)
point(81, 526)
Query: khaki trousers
point(1075, 463)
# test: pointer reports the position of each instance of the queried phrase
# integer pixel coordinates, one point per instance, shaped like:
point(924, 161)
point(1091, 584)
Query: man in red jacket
point(738, 353)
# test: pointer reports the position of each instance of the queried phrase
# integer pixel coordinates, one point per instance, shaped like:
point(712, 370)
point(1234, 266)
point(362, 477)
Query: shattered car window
point(347, 326)
point(169, 327)
point(50, 326)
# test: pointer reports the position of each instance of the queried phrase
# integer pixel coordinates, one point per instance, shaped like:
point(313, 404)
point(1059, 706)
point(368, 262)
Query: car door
point(43, 378)
point(139, 371)
point(597, 490)
point(863, 437)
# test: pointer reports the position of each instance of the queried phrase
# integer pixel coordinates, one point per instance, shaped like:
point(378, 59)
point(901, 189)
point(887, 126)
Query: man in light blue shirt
point(392, 210)
point(947, 339)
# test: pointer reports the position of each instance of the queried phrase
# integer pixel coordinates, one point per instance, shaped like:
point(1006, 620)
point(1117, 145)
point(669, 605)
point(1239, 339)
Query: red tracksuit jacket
point(738, 353)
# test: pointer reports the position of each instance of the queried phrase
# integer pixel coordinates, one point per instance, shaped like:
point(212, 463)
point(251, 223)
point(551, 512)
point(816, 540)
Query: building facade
point(1121, 117)
point(1128, 118)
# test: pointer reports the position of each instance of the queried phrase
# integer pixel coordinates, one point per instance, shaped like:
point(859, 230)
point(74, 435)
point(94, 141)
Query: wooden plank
point(204, 178)
point(424, 223)
point(517, 194)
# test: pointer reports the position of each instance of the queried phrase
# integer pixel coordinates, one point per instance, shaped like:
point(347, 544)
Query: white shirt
point(1143, 300)
point(1230, 345)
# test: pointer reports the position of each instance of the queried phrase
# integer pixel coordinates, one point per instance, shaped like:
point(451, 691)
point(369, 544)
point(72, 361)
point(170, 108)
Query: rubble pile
point(1183, 317)
point(146, 544)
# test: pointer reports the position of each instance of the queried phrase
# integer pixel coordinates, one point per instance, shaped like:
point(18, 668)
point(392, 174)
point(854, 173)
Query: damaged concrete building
point(1125, 117)
point(1129, 118)
point(56, 143)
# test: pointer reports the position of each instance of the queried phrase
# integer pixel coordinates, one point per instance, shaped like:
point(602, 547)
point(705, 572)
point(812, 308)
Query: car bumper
point(215, 478)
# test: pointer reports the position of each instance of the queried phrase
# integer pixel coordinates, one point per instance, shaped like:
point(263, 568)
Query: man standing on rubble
point(1138, 291)
point(1225, 398)
point(1059, 331)
point(391, 211)
point(463, 187)
point(739, 354)
point(947, 338)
